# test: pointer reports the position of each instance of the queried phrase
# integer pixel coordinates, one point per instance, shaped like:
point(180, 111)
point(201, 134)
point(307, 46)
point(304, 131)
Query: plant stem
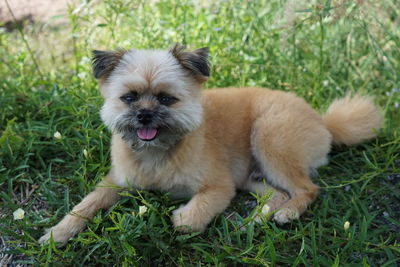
point(25, 42)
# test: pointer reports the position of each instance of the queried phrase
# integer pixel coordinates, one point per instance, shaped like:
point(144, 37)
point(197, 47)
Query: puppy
point(168, 135)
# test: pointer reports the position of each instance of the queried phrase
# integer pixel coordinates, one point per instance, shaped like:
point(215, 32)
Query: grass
point(319, 51)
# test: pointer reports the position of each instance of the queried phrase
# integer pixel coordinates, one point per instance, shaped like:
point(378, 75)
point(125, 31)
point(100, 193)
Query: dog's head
point(152, 97)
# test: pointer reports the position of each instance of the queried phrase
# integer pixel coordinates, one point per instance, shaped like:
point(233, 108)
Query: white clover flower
point(19, 214)
point(57, 135)
point(142, 210)
point(346, 225)
point(85, 153)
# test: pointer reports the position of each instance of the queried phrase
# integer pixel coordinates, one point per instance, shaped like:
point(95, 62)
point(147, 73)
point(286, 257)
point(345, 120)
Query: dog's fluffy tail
point(353, 119)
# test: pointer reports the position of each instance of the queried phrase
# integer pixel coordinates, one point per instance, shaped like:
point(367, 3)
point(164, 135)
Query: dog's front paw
point(60, 235)
point(286, 215)
point(185, 219)
point(64, 230)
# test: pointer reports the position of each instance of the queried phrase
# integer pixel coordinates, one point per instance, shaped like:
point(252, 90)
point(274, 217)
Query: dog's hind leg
point(287, 141)
point(258, 184)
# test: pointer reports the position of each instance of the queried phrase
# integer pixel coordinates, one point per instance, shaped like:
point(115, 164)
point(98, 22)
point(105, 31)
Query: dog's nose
point(145, 116)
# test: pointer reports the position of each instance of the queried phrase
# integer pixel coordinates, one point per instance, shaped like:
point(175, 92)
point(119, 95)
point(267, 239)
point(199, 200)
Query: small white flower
point(19, 214)
point(85, 153)
point(84, 61)
point(396, 105)
point(325, 83)
point(57, 135)
point(81, 75)
point(346, 225)
point(142, 210)
point(265, 209)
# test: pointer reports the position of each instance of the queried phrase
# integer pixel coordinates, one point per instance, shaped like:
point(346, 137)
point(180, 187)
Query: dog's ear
point(104, 62)
point(195, 61)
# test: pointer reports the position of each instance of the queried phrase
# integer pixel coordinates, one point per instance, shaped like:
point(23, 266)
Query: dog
point(169, 135)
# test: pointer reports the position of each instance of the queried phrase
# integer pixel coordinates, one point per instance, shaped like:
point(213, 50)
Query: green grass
point(319, 51)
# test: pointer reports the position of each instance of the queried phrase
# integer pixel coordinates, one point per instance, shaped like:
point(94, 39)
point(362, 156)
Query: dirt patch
point(31, 10)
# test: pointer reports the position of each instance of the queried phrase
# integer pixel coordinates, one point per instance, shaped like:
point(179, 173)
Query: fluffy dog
point(168, 135)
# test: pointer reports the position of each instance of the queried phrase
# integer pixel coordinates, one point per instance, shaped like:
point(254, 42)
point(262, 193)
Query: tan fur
point(352, 120)
point(240, 128)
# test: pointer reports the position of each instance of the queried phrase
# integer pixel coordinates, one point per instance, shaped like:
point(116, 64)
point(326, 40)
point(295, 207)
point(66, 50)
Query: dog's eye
point(166, 100)
point(129, 98)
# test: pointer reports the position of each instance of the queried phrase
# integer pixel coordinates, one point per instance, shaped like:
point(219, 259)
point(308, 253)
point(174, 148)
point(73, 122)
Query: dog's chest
point(154, 171)
point(180, 181)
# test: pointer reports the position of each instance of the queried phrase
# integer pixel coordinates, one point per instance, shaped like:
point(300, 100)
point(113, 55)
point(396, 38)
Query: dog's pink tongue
point(146, 133)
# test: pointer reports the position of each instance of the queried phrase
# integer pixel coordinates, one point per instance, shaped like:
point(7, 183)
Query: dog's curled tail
point(353, 119)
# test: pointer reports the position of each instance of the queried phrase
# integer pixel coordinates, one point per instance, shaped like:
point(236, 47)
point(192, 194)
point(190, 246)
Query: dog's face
point(152, 97)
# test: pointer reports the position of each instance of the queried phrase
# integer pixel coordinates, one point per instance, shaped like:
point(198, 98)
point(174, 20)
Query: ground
point(318, 50)
point(32, 10)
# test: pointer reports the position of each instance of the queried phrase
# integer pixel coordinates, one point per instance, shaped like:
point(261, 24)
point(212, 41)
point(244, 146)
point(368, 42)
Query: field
point(318, 50)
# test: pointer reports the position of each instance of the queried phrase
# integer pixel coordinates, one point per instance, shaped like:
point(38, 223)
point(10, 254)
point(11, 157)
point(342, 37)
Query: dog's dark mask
point(155, 127)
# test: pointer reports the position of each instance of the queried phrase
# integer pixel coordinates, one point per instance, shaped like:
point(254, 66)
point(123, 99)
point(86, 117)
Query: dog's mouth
point(146, 133)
